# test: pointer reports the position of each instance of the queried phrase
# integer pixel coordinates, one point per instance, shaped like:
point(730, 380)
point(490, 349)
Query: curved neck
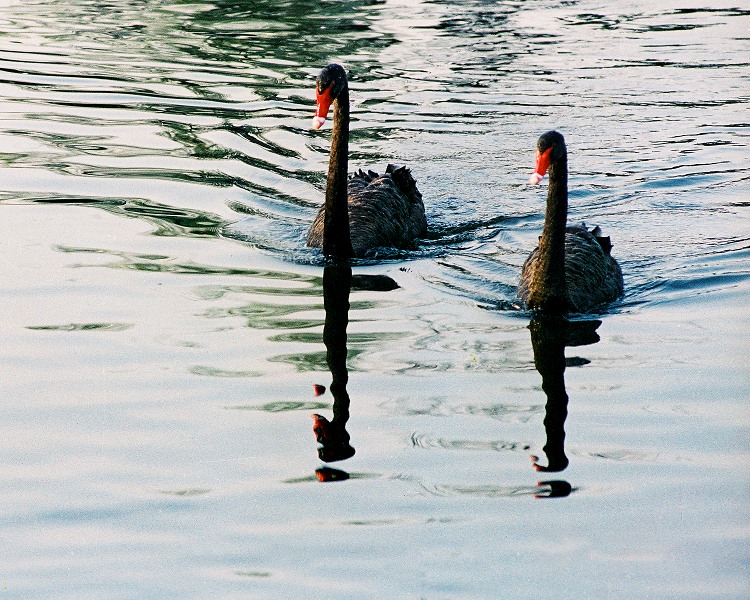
point(550, 273)
point(548, 337)
point(337, 241)
point(337, 283)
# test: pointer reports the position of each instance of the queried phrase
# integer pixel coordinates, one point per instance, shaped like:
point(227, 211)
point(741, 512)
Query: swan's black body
point(368, 210)
point(571, 270)
point(384, 211)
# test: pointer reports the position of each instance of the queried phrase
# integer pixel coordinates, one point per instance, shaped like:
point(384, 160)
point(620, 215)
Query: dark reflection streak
point(548, 342)
point(332, 435)
point(169, 220)
point(170, 106)
point(345, 27)
point(337, 283)
point(549, 337)
point(555, 489)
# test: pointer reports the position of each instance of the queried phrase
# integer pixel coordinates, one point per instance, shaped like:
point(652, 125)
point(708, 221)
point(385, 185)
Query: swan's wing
point(405, 181)
point(384, 211)
point(581, 230)
point(381, 214)
point(592, 276)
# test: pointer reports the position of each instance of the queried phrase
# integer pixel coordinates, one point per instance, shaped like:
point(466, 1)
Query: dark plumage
point(369, 210)
point(592, 276)
point(571, 270)
point(384, 211)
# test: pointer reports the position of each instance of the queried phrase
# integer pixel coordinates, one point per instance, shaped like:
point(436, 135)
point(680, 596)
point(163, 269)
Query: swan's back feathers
point(384, 211)
point(592, 275)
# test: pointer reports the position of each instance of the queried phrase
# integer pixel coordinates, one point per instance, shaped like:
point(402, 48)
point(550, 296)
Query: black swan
point(369, 210)
point(571, 270)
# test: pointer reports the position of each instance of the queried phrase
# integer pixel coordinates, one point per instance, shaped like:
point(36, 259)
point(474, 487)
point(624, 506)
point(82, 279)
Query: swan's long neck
point(550, 274)
point(337, 241)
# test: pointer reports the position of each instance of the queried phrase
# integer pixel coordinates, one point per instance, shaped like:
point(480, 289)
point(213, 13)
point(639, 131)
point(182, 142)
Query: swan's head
point(549, 149)
point(331, 82)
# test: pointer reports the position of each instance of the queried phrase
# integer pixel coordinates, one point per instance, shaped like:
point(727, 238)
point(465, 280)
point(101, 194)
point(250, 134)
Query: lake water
point(163, 322)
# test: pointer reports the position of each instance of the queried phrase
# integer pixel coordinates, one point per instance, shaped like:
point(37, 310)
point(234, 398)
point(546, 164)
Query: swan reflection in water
point(332, 435)
point(549, 337)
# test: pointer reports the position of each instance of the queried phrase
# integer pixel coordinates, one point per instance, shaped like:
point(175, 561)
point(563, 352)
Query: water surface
point(163, 321)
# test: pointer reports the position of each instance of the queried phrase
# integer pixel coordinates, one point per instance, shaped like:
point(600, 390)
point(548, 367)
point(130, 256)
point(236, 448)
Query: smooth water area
point(163, 322)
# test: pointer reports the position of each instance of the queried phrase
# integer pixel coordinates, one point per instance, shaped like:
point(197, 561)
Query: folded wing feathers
point(592, 276)
point(384, 211)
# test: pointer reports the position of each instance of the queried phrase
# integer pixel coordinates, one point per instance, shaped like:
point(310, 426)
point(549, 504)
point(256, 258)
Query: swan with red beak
point(572, 269)
point(365, 212)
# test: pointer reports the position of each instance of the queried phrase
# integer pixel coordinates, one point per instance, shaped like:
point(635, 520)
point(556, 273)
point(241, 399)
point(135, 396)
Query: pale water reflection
point(163, 322)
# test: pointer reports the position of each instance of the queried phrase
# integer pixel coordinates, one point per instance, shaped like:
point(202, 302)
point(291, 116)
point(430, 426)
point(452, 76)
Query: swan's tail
point(400, 175)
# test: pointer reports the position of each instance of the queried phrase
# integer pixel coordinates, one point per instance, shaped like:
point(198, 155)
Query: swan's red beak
point(325, 99)
point(542, 164)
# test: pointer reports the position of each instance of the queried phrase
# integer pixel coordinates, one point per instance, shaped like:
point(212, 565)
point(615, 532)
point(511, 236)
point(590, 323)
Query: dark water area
point(164, 324)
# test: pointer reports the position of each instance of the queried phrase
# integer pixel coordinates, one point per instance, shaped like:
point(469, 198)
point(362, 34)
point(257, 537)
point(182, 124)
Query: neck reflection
point(332, 435)
point(549, 337)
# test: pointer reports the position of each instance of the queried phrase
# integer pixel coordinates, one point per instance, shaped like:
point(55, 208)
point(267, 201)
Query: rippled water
point(163, 321)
